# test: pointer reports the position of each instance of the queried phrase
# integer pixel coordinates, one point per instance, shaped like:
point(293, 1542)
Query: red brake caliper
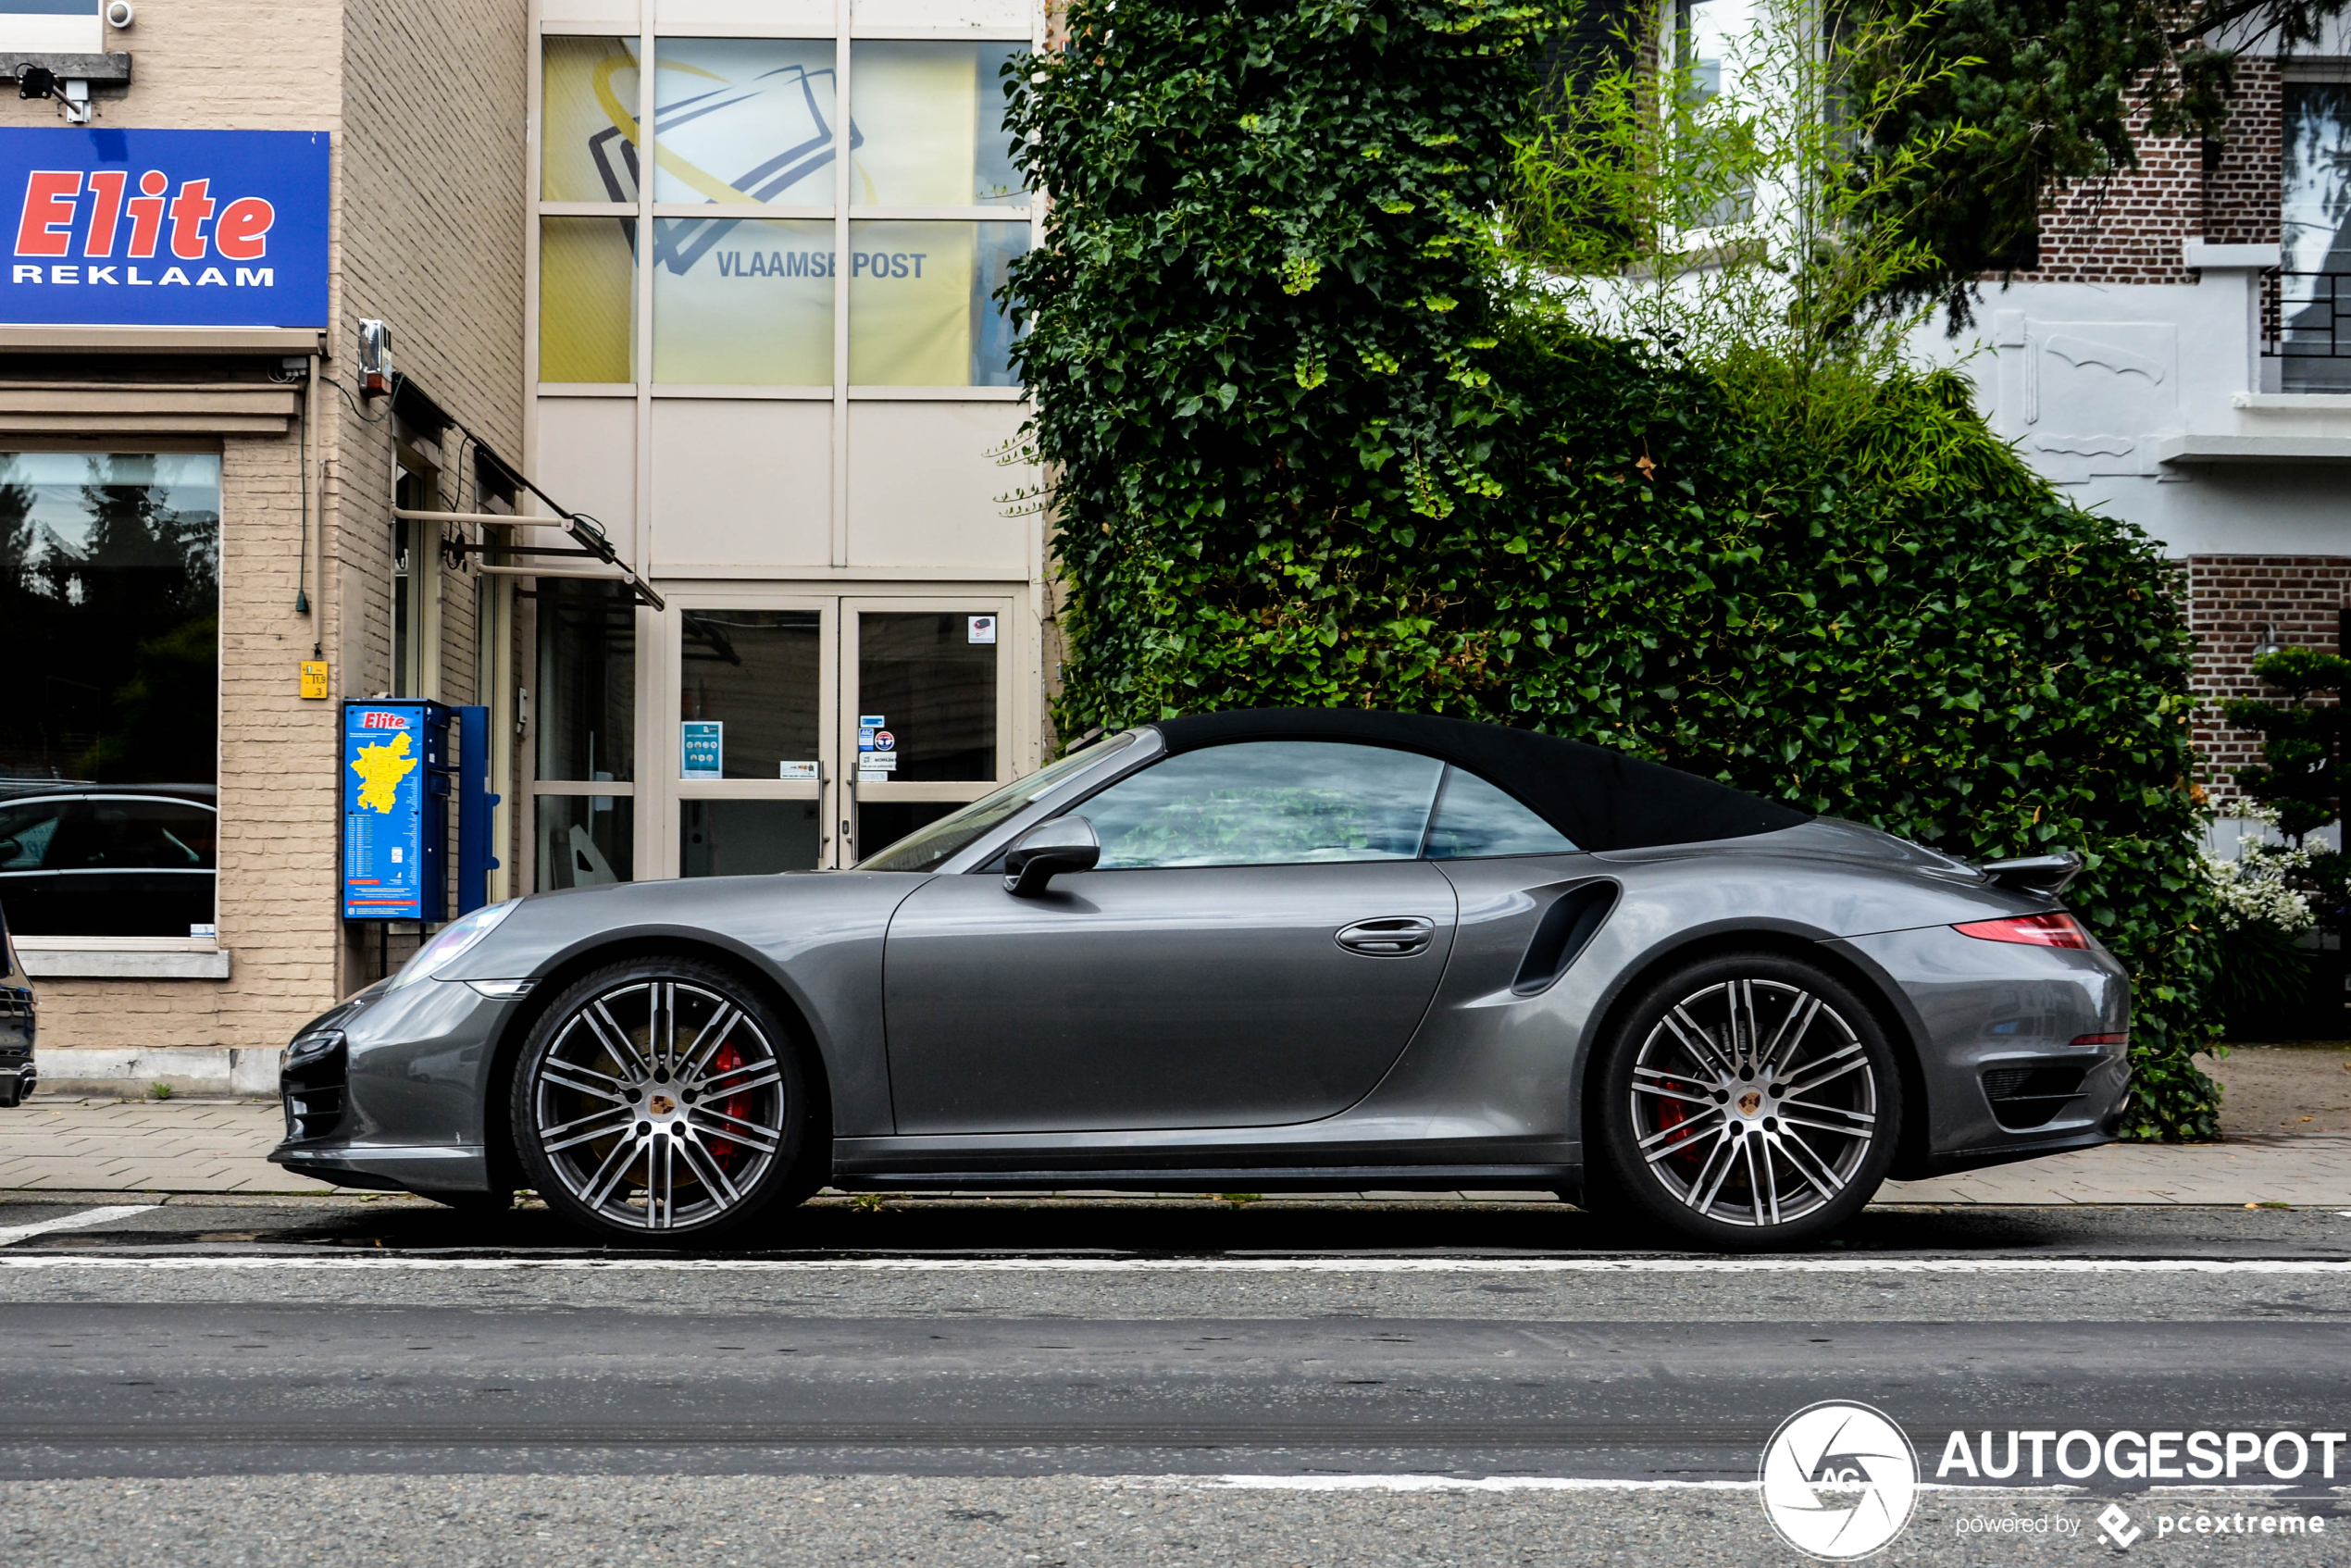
point(1671, 1114)
point(737, 1105)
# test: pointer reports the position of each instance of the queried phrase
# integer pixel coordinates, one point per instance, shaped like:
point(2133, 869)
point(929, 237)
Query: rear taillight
point(2102, 1039)
point(2032, 930)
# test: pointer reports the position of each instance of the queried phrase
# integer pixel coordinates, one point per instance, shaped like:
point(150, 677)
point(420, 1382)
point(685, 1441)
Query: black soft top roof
point(1601, 799)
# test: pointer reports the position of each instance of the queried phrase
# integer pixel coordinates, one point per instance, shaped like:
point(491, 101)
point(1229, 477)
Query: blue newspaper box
point(396, 783)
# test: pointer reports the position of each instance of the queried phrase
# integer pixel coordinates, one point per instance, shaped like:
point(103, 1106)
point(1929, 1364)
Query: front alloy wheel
point(659, 1099)
point(1752, 1101)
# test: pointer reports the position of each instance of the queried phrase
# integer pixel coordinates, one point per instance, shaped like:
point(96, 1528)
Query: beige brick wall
point(432, 200)
point(426, 100)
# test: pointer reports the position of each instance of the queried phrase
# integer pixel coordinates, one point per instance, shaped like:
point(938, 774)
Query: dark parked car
point(109, 860)
point(18, 1021)
point(1252, 951)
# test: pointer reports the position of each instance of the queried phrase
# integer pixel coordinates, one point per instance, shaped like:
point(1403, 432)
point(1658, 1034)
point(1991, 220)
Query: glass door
point(926, 714)
point(751, 783)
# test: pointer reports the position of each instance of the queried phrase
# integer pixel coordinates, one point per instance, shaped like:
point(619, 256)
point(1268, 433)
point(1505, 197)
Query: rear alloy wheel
point(660, 1100)
point(1751, 1101)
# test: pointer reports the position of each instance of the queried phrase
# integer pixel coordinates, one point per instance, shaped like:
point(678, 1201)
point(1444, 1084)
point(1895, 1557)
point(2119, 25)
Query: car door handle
point(1397, 936)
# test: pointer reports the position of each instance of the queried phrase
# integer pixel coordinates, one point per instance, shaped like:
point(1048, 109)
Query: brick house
point(2175, 358)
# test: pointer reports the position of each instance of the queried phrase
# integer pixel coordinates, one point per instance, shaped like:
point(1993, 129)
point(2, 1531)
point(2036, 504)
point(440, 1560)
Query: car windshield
point(926, 848)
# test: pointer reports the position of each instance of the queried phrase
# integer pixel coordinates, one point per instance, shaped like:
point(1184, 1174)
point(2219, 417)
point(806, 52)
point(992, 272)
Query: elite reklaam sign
point(164, 228)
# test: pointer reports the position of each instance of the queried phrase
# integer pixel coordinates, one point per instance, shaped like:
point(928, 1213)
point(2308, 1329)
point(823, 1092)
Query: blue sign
point(165, 228)
point(394, 810)
point(702, 744)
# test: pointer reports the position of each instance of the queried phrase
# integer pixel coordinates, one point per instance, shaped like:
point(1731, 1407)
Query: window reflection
point(2314, 305)
point(587, 681)
point(110, 635)
point(746, 837)
point(1268, 802)
point(934, 689)
point(756, 673)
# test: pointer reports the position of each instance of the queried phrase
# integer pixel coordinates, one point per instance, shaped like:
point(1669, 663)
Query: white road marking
point(332, 1263)
point(82, 1221)
point(1455, 1484)
point(1558, 1484)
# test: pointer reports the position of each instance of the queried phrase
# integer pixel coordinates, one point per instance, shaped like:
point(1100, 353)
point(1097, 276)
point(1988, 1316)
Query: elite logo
point(1838, 1481)
point(119, 225)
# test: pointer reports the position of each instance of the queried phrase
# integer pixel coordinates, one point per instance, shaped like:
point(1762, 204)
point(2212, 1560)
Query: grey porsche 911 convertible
point(1255, 951)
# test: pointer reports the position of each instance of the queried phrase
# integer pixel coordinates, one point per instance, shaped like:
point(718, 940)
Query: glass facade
point(921, 311)
point(935, 689)
point(745, 125)
point(929, 121)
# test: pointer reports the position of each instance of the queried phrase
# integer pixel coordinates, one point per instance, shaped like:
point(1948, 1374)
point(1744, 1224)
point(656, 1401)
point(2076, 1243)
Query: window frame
point(841, 212)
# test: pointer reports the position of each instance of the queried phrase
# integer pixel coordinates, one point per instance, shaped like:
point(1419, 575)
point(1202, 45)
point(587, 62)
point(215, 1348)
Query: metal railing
point(2306, 316)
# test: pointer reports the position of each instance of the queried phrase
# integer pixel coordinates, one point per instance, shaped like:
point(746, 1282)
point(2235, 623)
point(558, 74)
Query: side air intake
point(1573, 920)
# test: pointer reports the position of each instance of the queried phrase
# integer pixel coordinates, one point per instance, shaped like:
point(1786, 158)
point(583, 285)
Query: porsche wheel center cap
point(1750, 1102)
point(662, 1105)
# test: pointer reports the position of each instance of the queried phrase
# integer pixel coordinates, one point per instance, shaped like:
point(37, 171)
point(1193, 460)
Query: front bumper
point(395, 1102)
point(1987, 1017)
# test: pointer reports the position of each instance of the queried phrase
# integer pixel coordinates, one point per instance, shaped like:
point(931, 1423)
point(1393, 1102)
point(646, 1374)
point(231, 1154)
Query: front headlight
point(450, 942)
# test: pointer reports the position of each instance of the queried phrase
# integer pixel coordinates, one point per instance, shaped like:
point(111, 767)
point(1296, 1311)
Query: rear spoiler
point(2044, 876)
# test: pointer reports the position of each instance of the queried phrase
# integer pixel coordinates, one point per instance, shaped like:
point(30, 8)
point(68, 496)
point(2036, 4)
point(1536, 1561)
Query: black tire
point(663, 1101)
point(1749, 1102)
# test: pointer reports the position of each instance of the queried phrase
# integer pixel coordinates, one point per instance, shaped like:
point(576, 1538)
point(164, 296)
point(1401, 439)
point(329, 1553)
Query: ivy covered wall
point(1314, 444)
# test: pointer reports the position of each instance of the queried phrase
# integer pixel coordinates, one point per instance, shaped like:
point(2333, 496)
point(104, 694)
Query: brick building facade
point(2164, 361)
point(427, 228)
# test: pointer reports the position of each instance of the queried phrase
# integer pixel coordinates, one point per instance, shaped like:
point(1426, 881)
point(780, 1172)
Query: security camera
point(120, 14)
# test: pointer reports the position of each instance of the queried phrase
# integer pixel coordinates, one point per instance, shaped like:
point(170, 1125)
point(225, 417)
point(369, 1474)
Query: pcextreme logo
point(1840, 1481)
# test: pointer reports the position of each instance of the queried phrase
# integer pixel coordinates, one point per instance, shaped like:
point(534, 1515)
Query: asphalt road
point(1181, 1381)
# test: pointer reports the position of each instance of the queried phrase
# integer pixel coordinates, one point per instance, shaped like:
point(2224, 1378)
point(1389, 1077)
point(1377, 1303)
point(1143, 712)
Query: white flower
point(2254, 888)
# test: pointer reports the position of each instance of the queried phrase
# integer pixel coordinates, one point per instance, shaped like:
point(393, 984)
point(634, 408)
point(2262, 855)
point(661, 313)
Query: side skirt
point(1287, 1178)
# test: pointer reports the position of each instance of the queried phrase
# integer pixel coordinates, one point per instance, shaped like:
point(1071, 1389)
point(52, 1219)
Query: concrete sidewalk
point(220, 1146)
point(55, 1143)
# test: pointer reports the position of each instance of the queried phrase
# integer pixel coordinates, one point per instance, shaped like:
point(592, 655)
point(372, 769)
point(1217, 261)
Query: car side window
point(1474, 819)
point(138, 835)
point(1267, 803)
point(25, 833)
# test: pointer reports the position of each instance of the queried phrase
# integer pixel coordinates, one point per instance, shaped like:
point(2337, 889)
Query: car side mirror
point(1067, 843)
